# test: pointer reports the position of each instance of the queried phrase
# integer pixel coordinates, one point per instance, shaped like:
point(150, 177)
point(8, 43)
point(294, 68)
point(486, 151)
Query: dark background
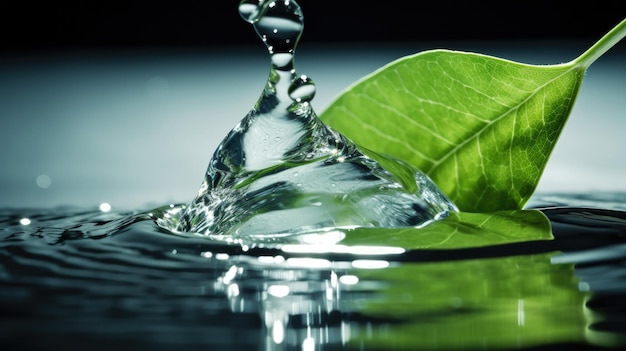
point(111, 25)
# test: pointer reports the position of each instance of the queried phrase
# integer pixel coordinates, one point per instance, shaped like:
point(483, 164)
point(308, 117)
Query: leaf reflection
point(515, 301)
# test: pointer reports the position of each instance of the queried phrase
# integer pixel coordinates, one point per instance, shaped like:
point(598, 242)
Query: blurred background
point(124, 101)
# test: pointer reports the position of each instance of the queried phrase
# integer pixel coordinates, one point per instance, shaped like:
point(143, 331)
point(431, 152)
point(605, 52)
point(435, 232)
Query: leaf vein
point(459, 146)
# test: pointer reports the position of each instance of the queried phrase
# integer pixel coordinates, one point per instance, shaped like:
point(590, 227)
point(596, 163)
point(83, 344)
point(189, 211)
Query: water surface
point(81, 278)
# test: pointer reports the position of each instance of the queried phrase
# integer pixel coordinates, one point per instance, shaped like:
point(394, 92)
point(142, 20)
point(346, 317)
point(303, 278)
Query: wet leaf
point(460, 230)
point(481, 127)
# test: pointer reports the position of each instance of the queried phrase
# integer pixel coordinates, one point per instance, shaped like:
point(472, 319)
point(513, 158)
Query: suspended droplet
point(302, 89)
point(282, 171)
point(279, 24)
point(250, 10)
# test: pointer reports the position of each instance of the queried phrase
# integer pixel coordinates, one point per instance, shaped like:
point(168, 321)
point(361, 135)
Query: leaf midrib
point(486, 126)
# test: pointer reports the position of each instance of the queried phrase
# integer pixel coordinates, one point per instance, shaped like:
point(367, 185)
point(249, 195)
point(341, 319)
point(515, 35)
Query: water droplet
point(279, 24)
point(302, 89)
point(250, 10)
point(281, 170)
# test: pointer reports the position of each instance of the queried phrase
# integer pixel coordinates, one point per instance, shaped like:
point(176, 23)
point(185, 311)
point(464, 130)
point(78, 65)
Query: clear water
point(282, 172)
point(78, 278)
point(82, 278)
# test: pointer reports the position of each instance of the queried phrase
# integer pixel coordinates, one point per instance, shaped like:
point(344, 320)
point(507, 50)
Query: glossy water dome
point(282, 172)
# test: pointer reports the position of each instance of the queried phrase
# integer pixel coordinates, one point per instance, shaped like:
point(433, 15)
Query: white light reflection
point(230, 275)
point(330, 294)
point(232, 290)
point(278, 290)
point(591, 255)
point(370, 264)
point(24, 221)
point(323, 239)
point(266, 259)
point(278, 332)
point(105, 207)
point(308, 262)
point(345, 332)
point(343, 249)
point(172, 211)
point(308, 344)
point(306, 288)
point(222, 256)
point(333, 279)
point(348, 279)
point(271, 259)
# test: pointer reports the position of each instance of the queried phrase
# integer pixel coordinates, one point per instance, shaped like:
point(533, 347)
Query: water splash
point(281, 171)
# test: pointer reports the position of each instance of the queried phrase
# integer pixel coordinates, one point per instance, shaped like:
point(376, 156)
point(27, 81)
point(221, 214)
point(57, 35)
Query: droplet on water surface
point(282, 172)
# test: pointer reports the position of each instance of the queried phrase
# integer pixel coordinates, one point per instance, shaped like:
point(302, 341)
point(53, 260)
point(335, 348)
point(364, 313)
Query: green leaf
point(460, 230)
point(481, 127)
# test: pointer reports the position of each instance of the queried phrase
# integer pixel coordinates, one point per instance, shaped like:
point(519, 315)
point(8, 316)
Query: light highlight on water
point(105, 207)
point(133, 280)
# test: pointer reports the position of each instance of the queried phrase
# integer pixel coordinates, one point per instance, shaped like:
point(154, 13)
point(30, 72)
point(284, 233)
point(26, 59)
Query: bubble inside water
point(282, 172)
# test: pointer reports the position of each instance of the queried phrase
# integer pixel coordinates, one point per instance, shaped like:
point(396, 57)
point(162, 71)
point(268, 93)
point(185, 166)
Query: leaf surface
point(481, 127)
point(460, 230)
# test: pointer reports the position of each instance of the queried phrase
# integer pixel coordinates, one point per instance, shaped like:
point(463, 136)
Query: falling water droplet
point(250, 9)
point(302, 89)
point(281, 171)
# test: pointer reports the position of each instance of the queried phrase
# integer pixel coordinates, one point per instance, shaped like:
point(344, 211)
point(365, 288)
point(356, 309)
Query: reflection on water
point(89, 278)
point(492, 303)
